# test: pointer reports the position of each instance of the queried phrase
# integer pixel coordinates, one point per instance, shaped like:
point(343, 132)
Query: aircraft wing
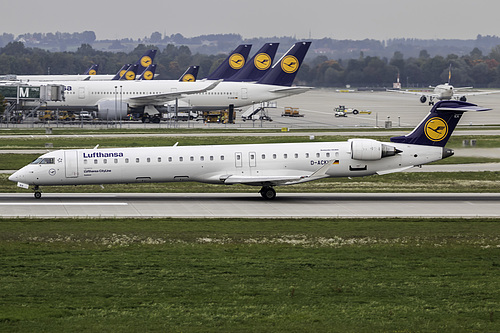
point(170, 96)
point(278, 179)
point(477, 93)
point(418, 93)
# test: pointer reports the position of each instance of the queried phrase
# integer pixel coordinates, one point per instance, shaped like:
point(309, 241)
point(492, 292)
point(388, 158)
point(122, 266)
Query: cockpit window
point(45, 160)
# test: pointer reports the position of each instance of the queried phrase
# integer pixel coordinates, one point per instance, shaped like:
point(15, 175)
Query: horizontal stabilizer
point(465, 108)
point(291, 90)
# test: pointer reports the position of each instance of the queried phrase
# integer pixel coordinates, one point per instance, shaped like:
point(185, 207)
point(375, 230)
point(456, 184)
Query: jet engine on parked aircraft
point(112, 110)
point(370, 150)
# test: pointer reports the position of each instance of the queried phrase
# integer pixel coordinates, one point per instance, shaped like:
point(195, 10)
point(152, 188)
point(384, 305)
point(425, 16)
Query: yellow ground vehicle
point(291, 112)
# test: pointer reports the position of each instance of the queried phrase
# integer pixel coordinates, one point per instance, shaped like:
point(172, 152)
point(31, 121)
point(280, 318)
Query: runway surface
point(251, 205)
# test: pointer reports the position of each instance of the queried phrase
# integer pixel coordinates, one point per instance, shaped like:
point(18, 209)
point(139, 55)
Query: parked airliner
point(264, 165)
point(120, 98)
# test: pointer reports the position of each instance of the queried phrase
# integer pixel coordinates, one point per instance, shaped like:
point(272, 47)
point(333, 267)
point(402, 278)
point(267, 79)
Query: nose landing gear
point(38, 193)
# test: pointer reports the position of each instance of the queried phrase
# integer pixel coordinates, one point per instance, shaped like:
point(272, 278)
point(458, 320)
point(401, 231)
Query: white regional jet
point(444, 92)
point(265, 165)
point(112, 99)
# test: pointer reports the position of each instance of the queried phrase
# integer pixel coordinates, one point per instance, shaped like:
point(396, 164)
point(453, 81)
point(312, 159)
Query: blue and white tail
point(258, 65)
point(233, 63)
point(130, 73)
point(284, 71)
point(121, 72)
point(149, 73)
point(190, 74)
point(92, 70)
point(145, 61)
point(436, 128)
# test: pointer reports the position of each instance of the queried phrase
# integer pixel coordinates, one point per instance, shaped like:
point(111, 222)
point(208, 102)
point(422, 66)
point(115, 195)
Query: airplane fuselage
point(87, 95)
point(217, 164)
point(444, 91)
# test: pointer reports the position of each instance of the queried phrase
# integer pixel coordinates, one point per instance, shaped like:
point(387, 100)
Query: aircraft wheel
point(268, 193)
point(38, 195)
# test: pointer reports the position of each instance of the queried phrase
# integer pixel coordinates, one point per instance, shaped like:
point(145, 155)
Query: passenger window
point(327, 154)
point(105, 161)
point(285, 156)
point(263, 156)
point(137, 160)
point(222, 157)
point(85, 161)
point(148, 160)
point(211, 158)
point(296, 155)
point(318, 155)
point(202, 158)
point(274, 156)
point(181, 159)
point(159, 159)
point(126, 160)
point(170, 159)
point(307, 155)
point(116, 161)
point(191, 158)
point(95, 161)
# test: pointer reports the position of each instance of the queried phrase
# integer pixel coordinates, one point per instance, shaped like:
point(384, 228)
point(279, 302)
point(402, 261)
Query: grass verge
point(249, 275)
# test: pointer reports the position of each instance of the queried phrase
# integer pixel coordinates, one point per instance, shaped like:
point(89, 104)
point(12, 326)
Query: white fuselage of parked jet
point(63, 77)
point(88, 95)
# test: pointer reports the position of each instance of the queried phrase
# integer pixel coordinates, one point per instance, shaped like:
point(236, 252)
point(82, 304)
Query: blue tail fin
point(233, 63)
point(190, 74)
point(145, 61)
point(436, 128)
point(92, 70)
point(258, 66)
point(130, 73)
point(284, 71)
point(122, 71)
point(149, 73)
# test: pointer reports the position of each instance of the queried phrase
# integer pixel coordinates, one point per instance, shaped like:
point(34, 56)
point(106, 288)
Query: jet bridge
point(22, 96)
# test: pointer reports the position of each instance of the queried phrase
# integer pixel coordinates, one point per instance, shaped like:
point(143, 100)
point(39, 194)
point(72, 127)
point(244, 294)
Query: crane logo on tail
point(146, 61)
point(188, 78)
point(436, 129)
point(236, 61)
point(262, 61)
point(148, 75)
point(290, 64)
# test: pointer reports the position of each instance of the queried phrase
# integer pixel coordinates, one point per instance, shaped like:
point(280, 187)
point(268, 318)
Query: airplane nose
point(15, 177)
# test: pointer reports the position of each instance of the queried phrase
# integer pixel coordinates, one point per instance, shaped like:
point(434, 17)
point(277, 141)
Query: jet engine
point(423, 99)
point(371, 150)
point(463, 99)
point(111, 110)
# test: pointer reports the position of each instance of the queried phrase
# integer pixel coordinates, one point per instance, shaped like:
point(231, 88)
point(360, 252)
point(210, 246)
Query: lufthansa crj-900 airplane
point(265, 165)
point(119, 98)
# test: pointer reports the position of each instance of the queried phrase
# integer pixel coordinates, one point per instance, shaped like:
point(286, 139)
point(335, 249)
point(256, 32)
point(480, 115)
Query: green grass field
point(249, 275)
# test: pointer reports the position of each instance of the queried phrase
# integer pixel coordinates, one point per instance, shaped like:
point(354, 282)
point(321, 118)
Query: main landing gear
point(38, 193)
point(267, 192)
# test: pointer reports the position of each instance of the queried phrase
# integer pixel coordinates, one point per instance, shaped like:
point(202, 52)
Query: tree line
point(473, 69)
